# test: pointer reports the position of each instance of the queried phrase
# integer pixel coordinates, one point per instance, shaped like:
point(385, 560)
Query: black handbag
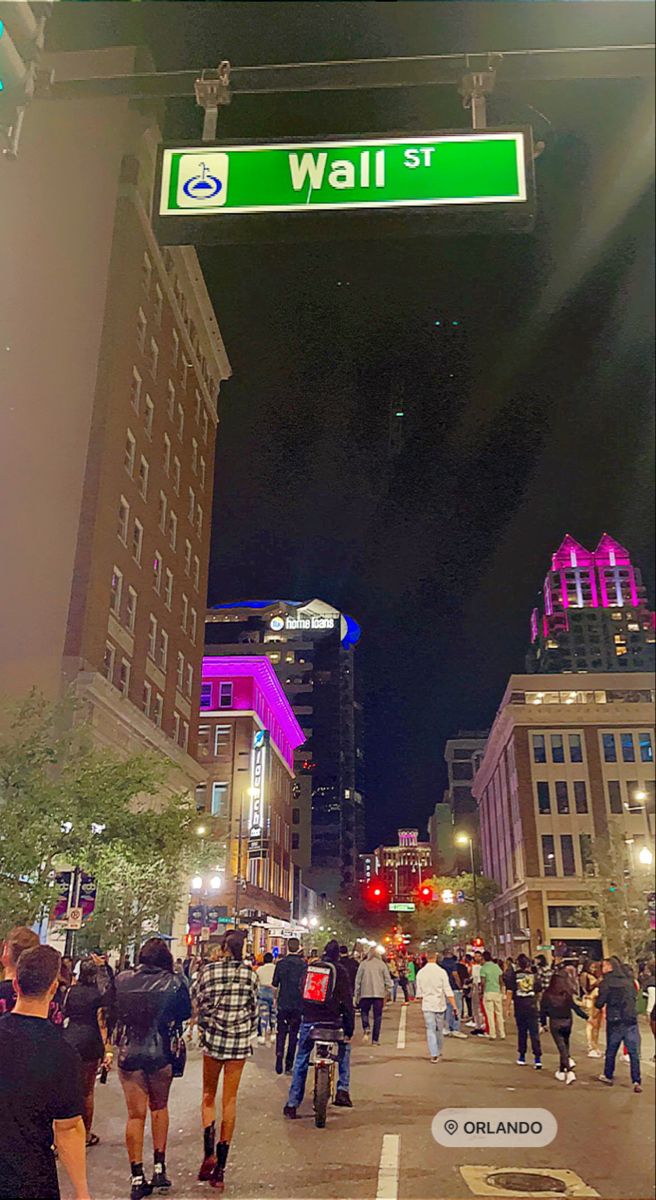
point(178, 1053)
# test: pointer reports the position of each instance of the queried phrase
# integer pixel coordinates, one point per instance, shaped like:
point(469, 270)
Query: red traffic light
point(478, 943)
point(425, 893)
point(376, 893)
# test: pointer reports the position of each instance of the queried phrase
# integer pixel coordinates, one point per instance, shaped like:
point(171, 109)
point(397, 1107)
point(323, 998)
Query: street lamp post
point(464, 839)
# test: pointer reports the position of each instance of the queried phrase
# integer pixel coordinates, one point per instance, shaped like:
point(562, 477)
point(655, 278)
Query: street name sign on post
point(399, 906)
point(231, 191)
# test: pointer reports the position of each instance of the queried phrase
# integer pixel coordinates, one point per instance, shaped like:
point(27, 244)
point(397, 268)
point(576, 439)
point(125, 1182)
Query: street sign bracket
point(212, 89)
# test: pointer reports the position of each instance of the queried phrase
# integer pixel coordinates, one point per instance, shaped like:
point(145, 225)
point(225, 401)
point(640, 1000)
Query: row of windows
point(158, 308)
point(610, 696)
point(640, 796)
point(222, 741)
point(150, 350)
point(628, 748)
point(176, 414)
point(568, 860)
point(210, 693)
point(557, 748)
point(140, 474)
point(152, 701)
point(561, 795)
point(123, 601)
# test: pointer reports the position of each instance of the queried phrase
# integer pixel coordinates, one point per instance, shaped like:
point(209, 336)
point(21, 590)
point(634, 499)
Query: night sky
point(530, 418)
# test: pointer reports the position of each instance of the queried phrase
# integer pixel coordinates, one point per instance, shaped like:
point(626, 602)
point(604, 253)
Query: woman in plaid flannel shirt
point(225, 995)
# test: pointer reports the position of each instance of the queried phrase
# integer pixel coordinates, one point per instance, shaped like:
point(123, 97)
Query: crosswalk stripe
point(400, 1041)
point(388, 1170)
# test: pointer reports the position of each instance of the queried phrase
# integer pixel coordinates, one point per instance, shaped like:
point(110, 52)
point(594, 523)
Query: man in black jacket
point(288, 978)
point(349, 964)
point(336, 1010)
point(617, 992)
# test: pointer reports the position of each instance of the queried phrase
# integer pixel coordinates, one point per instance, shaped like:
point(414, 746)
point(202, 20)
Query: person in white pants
point(492, 998)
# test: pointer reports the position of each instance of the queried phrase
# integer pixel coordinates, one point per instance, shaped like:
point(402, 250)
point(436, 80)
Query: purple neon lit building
point(596, 616)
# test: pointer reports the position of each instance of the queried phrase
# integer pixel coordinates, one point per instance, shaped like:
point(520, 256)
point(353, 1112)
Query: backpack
point(319, 985)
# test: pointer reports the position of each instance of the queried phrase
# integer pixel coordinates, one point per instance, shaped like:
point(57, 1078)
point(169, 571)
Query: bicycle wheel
point(321, 1096)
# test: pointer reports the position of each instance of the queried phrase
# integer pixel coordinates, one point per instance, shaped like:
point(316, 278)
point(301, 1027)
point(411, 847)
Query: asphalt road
point(383, 1149)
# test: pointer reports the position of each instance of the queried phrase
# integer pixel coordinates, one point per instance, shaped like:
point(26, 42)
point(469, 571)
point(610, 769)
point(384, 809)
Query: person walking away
point(266, 999)
point(617, 994)
point(18, 939)
point(288, 979)
point(40, 1093)
point(403, 980)
point(85, 1029)
point(491, 998)
point(458, 976)
point(394, 976)
point(373, 985)
point(151, 1002)
point(544, 971)
point(226, 998)
point(466, 961)
point(435, 993)
point(478, 1012)
point(525, 987)
point(336, 1010)
point(557, 1005)
point(508, 966)
point(589, 981)
point(350, 965)
point(412, 976)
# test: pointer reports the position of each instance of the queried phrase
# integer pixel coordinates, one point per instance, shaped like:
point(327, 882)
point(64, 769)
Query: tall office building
point(112, 365)
point(461, 755)
point(311, 646)
point(562, 764)
point(595, 615)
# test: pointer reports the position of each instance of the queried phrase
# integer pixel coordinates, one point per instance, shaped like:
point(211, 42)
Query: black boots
point(216, 1178)
point(209, 1160)
point(160, 1179)
point(138, 1185)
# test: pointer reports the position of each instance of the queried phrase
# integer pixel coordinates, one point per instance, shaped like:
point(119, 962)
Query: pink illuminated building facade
point(595, 615)
point(247, 735)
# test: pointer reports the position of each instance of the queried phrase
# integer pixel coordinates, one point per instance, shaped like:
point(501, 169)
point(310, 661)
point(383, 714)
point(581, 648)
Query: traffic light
point(376, 893)
point(425, 894)
point(22, 27)
point(477, 943)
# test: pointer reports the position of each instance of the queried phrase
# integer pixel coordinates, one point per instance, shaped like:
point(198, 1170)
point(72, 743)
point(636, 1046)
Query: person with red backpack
point(327, 1000)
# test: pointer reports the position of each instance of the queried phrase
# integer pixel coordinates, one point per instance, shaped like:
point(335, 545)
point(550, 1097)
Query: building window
point(141, 329)
point(187, 557)
point(185, 373)
point(562, 796)
point(628, 748)
point(170, 399)
point(296, 841)
point(173, 530)
point(123, 520)
point(223, 741)
point(176, 476)
point(161, 512)
point(196, 575)
point(539, 748)
point(157, 572)
point(124, 677)
point(163, 649)
point(614, 797)
point(168, 588)
point(185, 735)
point(167, 454)
point(158, 709)
point(580, 796)
point(158, 306)
point(548, 854)
point(152, 636)
point(137, 541)
point(575, 748)
point(179, 675)
point(544, 803)
point(205, 425)
point(180, 421)
point(193, 625)
point(108, 661)
point(567, 851)
point(296, 816)
point(225, 695)
point(146, 698)
point(131, 610)
point(143, 477)
point(203, 741)
point(192, 505)
point(115, 592)
point(199, 520)
point(194, 456)
point(146, 273)
point(201, 472)
point(135, 390)
point(175, 351)
point(610, 749)
point(219, 806)
point(149, 412)
point(189, 681)
point(176, 726)
point(184, 613)
point(153, 357)
point(206, 695)
point(646, 747)
point(557, 748)
point(585, 845)
point(130, 452)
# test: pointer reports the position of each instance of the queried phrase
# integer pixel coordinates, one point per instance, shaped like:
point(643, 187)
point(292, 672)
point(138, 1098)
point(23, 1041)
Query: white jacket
point(373, 980)
point(433, 987)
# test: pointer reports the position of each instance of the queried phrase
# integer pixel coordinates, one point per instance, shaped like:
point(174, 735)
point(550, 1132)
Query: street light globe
point(462, 839)
point(196, 883)
point(639, 795)
point(462, 923)
point(646, 857)
point(304, 921)
point(314, 921)
point(201, 830)
point(216, 881)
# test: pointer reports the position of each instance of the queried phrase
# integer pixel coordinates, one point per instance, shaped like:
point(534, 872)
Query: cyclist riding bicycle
point(327, 1000)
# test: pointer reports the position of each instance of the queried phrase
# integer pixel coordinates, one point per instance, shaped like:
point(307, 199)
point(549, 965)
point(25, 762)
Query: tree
point(64, 803)
point(618, 896)
point(433, 921)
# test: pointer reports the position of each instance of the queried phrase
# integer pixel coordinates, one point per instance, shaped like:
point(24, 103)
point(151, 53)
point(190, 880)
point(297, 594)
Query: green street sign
point(215, 184)
point(398, 906)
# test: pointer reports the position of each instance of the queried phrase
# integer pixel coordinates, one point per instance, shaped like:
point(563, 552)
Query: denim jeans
point(616, 1033)
point(528, 1025)
point(454, 1018)
point(302, 1063)
point(366, 1004)
point(434, 1022)
point(266, 1017)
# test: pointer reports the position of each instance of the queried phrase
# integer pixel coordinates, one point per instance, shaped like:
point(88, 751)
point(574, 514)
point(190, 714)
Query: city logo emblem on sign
point(203, 179)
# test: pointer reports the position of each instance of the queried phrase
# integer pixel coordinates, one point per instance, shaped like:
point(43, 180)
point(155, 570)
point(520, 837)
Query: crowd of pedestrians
point(62, 1026)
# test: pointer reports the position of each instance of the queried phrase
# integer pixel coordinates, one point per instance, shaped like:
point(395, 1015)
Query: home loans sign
point(462, 169)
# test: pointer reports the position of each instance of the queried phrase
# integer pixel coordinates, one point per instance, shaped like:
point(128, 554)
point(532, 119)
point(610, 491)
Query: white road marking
point(388, 1170)
point(400, 1041)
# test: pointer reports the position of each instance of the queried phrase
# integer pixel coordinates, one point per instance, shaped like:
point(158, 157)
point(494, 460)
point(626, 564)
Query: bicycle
point(325, 1052)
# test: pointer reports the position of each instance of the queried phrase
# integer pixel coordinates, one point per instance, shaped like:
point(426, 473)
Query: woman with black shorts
point(152, 1002)
point(86, 1030)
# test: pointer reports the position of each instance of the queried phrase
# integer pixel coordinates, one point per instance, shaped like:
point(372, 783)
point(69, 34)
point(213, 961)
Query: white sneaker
point(366, 1036)
point(560, 1075)
point(594, 1054)
point(261, 1041)
point(571, 1077)
point(460, 1035)
point(446, 1033)
point(571, 1063)
point(471, 1024)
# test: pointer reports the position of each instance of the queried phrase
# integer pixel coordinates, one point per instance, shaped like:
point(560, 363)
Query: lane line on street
point(400, 1041)
point(388, 1170)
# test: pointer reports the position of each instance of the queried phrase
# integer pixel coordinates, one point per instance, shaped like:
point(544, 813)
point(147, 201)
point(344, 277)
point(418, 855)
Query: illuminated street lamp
point(646, 857)
point(314, 921)
point(463, 839)
point(215, 882)
point(196, 883)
